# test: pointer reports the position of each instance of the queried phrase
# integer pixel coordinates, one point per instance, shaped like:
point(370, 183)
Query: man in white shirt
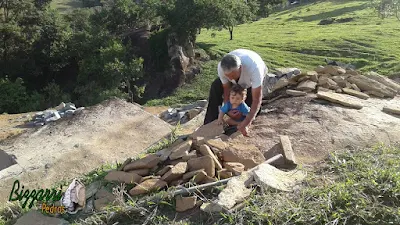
point(243, 67)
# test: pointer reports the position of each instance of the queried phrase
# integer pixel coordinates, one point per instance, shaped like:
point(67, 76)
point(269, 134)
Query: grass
point(360, 186)
point(293, 38)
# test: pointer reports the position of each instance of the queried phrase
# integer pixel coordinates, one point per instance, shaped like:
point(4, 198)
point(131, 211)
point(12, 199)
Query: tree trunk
point(231, 32)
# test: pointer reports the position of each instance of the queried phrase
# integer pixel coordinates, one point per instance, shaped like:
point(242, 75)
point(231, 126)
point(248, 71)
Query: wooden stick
point(220, 182)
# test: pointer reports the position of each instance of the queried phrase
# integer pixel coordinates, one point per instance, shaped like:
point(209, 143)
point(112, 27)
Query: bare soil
point(111, 131)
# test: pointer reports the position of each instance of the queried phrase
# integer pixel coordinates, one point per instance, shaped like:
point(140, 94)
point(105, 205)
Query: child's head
point(237, 95)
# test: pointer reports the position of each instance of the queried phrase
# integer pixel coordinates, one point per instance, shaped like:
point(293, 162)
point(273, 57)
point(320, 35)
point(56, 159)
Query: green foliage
point(15, 98)
point(387, 8)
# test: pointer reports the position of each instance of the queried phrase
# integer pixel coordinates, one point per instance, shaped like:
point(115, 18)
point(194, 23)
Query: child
point(236, 102)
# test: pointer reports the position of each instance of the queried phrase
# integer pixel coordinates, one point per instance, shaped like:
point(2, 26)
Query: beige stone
point(234, 167)
point(164, 170)
point(340, 81)
point(176, 161)
point(147, 162)
point(307, 86)
point(217, 144)
point(148, 186)
point(193, 113)
point(198, 141)
point(176, 172)
point(303, 78)
point(123, 177)
point(177, 182)
point(224, 174)
point(268, 176)
point(375, 93)
point(283, 82)
point(288, 152)
point(185, 203)
point(205, 150)
point(208, 179)
point(392, 109)
point(339, 90)
point(322, 80)
point(126, 162)
point(198, 175)
point(354, 86)
point(331, 84)
point(204, 162)
point(191, 155)
point(355, 93)
point(340, 99)
point(341, 71)
point(324, 89)
point(351, 72)
point(369, 85)
point(141, 172)
point(247, 154)
point(319, 69)
point(295, 93)
point(384, 80)
point(167, 152)
point(181, 150)
point(149, 177)
point(101, 203)
point(208, 131)
point(334, 70)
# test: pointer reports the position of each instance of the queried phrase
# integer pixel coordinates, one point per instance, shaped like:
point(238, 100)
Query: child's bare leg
point(232, 122)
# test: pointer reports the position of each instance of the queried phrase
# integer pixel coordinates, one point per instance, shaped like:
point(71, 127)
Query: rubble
point(64, 110)
point(183, 113)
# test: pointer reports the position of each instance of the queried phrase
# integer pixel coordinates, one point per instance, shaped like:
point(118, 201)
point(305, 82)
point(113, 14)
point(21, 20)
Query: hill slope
point(293, 38)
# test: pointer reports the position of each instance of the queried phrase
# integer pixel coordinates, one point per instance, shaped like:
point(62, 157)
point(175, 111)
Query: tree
point(387, 8)
point(231, 13)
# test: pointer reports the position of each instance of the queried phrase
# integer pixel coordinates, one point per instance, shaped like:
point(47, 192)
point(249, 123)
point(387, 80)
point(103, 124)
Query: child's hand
point(220, 122)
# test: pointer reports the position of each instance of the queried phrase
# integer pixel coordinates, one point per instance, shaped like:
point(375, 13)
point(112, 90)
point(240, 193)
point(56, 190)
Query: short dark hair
point(230, 62)
point(237, 89)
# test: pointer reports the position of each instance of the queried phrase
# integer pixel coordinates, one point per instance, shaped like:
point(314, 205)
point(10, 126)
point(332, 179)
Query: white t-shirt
point(253, 69)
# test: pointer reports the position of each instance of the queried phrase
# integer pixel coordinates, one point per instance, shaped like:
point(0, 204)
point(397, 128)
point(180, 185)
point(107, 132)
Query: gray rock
point(181, 115)
point(36, 218)
point(69, 106)
point(79, 110)
point(60, 106)
point(202, 103)
point(55, 116)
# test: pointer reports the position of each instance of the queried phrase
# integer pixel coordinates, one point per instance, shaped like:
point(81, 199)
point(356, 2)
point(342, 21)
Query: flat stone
point(268, 176)
point(181, 150)
point(307, 86)
point(340, 81)
point(236, 191)
point(198, 174)
point(208, 131)
point(204, 162)
point(368, 84)
point(166, 153)
point(205, 150)
point(234, 167)
point(148, 186)
point(295, 93)
point(340, 99)
point(247, 154)
point(191, 155)
point(217, 144)
point(354, 86)
point(164, 170)
point(338, 90)
point(126, 162)
point(141, 172)
point(198, 141)
point(176, 161)
point(103, 193)
point(175, 172)
point(202, 103)
point(224, 174)
point(92, 189)
point(36, 218)
point(392, 109)
point(147, 162)
point(324, 89)
point(288, 152)
point(384, 80)
point(351, 72)
point(283, 82)
point(330, 84)
point(149, 177)
point(319, 69)
point(185, 203)
point(177, 182)
point(355, 93)
point(208, 179)
point(375, 93)
point(123, 177)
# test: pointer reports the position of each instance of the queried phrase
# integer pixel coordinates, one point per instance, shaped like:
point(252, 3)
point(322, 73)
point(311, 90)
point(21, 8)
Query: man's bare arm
point(255, 106)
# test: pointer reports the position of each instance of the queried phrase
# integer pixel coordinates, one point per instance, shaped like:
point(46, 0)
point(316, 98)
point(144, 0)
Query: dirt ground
point(105, 133)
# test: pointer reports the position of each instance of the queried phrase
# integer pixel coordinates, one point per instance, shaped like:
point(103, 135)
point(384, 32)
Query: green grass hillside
point(293, 38)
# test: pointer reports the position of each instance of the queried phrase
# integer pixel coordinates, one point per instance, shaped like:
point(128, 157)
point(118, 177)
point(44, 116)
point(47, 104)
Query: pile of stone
point(206, 156)
point(183, 113)
point(335, 84)
point(63, 110)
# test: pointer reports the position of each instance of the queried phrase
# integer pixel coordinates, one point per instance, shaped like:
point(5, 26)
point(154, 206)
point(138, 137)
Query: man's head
point(237, 95)
point(232, 66)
